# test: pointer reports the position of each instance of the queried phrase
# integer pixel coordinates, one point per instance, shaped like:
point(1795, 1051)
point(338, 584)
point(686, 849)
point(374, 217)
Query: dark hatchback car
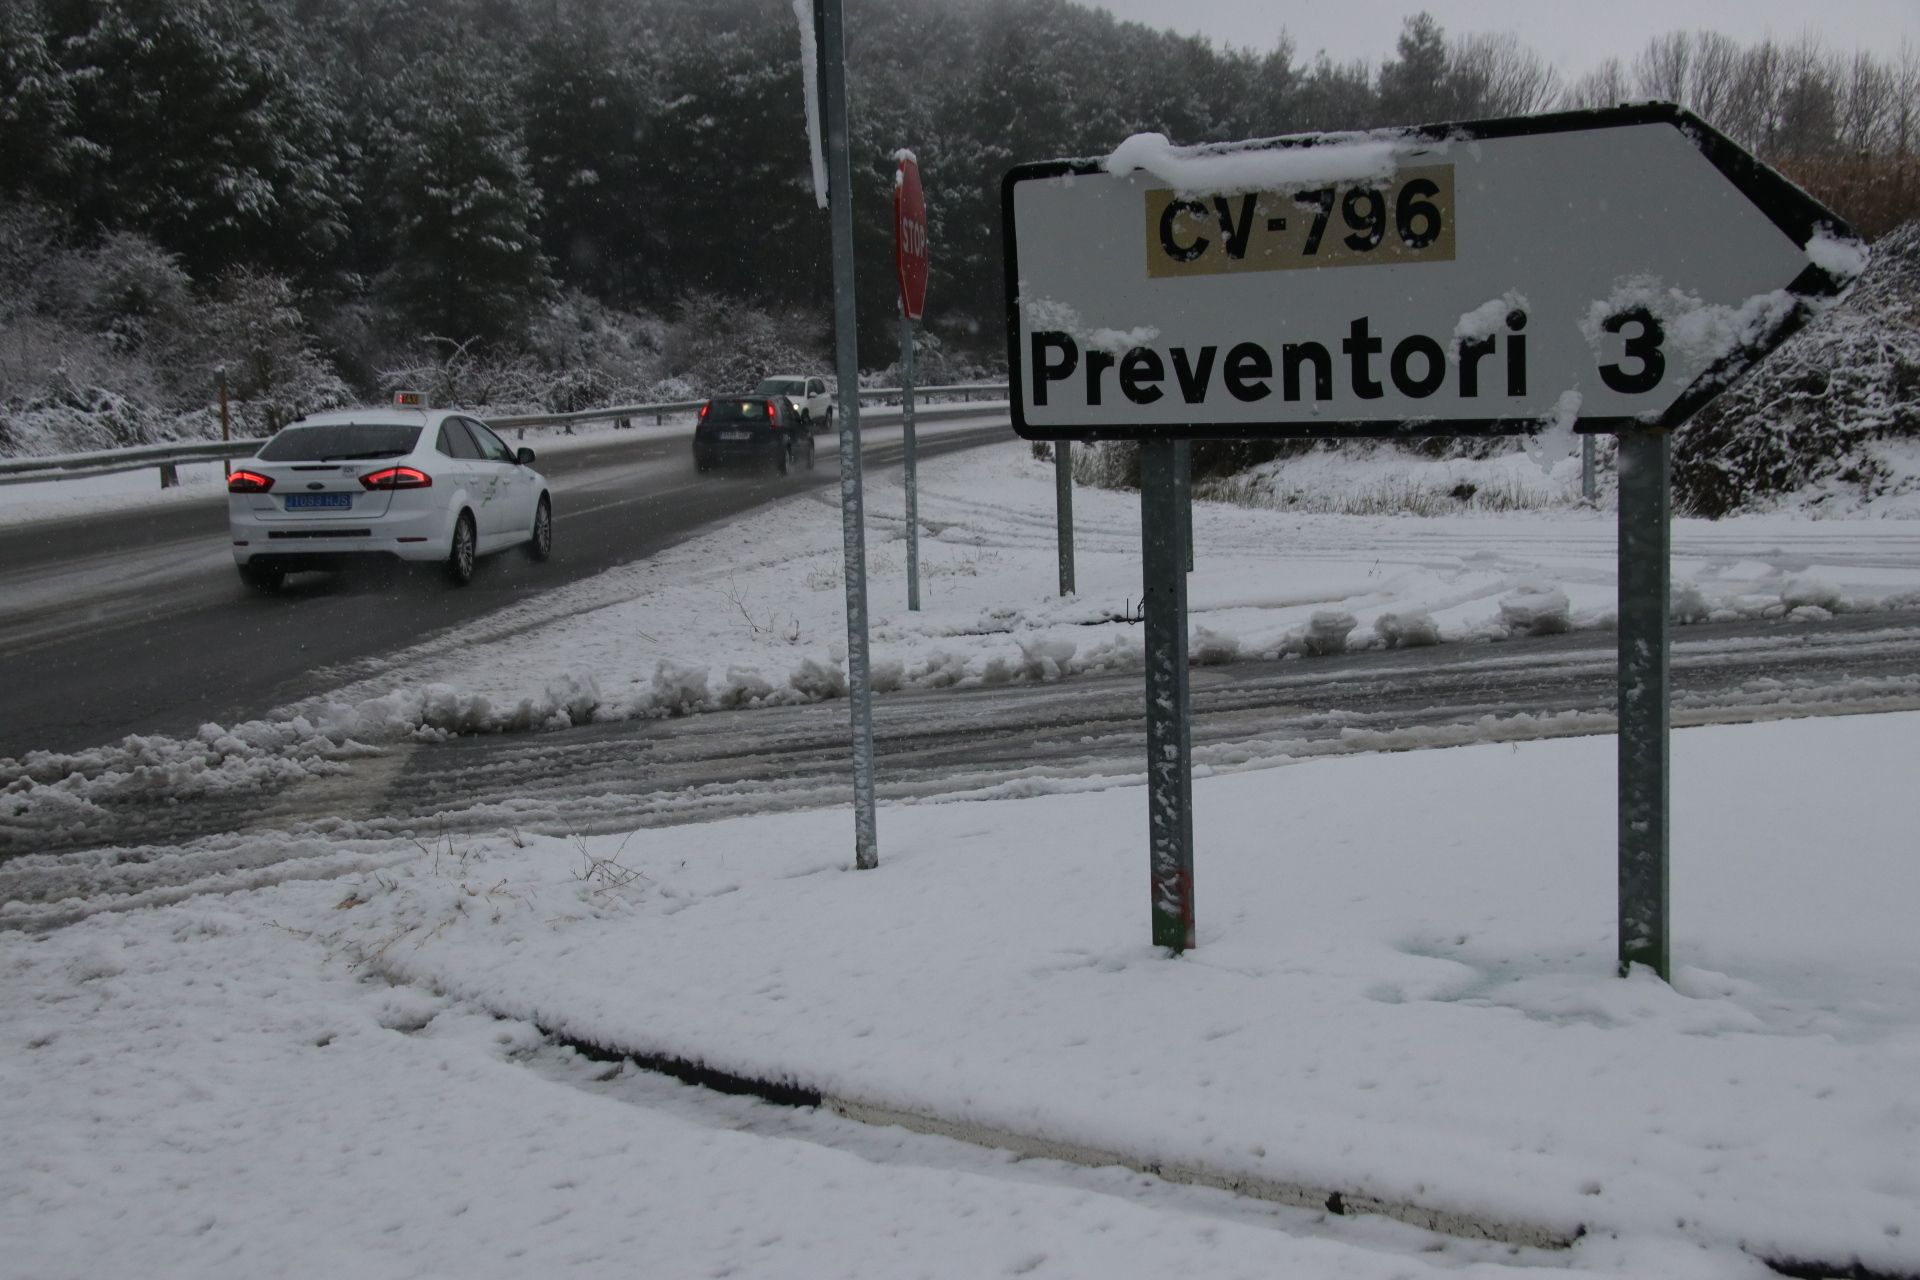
point(755, 430)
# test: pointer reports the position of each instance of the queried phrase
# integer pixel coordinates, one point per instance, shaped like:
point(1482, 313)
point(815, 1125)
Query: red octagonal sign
point(910, 235)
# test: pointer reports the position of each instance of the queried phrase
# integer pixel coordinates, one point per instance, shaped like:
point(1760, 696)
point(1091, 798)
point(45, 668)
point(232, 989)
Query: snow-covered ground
point(331, 1063)
point(1410, 1001)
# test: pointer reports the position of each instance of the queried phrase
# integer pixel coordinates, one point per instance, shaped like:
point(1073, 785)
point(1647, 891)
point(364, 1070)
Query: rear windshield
point(783, 386)
point(737, 410)
point(341, 442)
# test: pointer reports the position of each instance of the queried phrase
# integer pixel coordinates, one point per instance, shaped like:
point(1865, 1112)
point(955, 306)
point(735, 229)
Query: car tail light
point(703, 411)
point(248, 482)
point(397, 478)
point(769, 413)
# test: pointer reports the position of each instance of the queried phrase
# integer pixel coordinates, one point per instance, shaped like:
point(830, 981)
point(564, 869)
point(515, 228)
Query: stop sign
point(910, 235)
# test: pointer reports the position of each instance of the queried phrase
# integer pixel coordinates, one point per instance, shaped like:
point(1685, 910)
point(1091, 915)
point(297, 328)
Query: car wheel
point(781, 457)
point(540, 545)
point(261, 578)
point(810, 453)
point(460, 556)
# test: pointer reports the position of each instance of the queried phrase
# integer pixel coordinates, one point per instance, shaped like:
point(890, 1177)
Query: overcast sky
point(1574, 35)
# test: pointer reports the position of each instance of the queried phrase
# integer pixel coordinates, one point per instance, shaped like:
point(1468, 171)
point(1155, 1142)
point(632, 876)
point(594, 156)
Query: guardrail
point(107, 462)
point(965, 390)
point(168, 457)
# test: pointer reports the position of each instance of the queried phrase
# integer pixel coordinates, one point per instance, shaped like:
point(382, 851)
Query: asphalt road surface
point(122, 623)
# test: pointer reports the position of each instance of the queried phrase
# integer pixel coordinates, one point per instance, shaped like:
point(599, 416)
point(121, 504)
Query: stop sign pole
point(910, 262)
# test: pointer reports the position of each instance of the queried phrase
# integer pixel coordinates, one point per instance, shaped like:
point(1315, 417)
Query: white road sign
point(1600, 269)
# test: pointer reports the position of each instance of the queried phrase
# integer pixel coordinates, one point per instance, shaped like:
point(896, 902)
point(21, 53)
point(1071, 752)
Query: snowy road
point(130, 620)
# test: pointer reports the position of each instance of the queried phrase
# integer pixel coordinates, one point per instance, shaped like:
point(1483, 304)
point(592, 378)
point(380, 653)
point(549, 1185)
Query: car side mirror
point(524, 457)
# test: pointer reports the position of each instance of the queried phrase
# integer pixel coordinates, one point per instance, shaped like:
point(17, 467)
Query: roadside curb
point(793, 1093)
point(1462, 1226)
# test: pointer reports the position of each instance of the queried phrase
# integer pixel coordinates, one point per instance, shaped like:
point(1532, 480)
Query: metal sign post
point(1183, 491)
point(1645, 584)
point(1163, 562)
point(1609, 270)
point(1063, 510)
point(912, 469)
point(833, 87)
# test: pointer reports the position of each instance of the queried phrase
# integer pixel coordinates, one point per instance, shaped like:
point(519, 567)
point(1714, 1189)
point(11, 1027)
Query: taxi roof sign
point(410, 399)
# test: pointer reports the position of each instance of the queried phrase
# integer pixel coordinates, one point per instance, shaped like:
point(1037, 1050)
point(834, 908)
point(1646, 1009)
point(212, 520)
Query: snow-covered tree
point(197, 126)
point(586, 111)
point(254, 330)
point(467, 262)
point(38, 140)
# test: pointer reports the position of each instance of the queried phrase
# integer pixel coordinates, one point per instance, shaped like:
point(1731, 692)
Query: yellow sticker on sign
point(1407, 219)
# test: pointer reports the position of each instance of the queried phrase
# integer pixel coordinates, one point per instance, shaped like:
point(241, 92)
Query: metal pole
point(913, 488)
point(1063, 510)
point(1183, 480)
point(226, 433)
point(1169, 734)
point(1645, 554)
point(833, 86)
point(1586, 467)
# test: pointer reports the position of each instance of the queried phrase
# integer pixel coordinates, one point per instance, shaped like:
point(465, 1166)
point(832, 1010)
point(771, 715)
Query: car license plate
point(319, 502)
point(736, 435)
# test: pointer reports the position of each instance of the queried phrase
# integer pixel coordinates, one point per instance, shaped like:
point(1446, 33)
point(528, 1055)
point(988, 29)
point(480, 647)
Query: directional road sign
point(1604, 269)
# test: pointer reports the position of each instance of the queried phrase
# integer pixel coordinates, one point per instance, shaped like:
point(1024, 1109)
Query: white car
point(406, 482)
point(808, 397)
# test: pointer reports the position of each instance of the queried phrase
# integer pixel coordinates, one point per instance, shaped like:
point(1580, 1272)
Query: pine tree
point(1413, 86)
point(585, 110)
point(466, 234)
point(38, 142)
point(196, 128)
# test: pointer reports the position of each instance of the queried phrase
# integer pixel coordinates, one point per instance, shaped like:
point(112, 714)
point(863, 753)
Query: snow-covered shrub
point(936, 364)
point(255, 331)
point(591, 355)
point(717, 345)
point(1823, 414)
point(1107, 464)
point(93, 342)
point(458, 373)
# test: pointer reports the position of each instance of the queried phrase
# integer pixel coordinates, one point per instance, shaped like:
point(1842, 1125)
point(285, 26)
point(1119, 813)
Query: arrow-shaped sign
point(1600, 269)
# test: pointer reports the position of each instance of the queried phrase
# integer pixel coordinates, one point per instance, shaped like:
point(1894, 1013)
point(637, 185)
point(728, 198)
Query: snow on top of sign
point(1489, 318)
point(905, 156)
point(810, 89)
point(1844, 259)
point(1046, 313)
point(1358, 157)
